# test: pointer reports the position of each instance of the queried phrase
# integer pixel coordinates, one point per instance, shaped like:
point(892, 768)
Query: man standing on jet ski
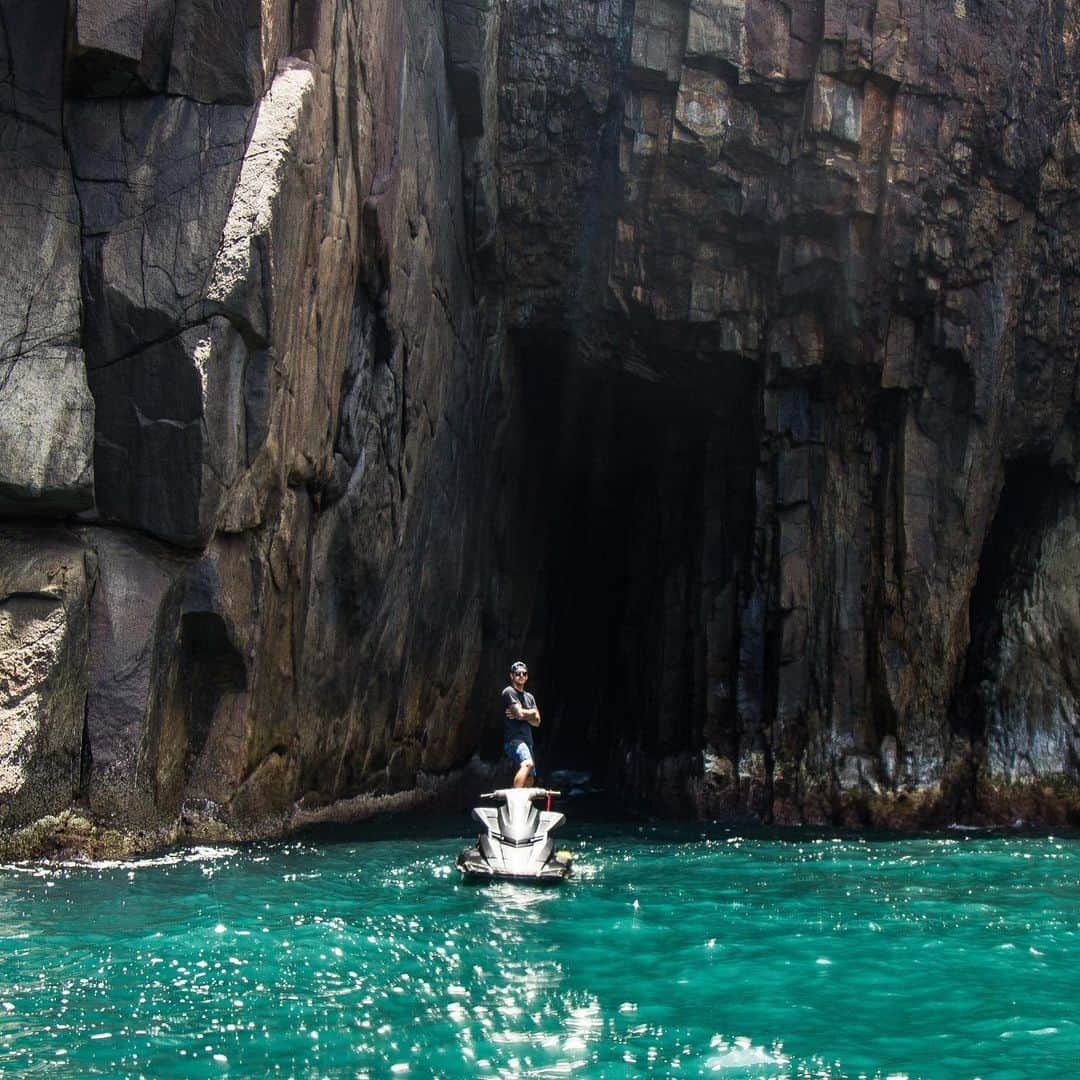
point(522, 715)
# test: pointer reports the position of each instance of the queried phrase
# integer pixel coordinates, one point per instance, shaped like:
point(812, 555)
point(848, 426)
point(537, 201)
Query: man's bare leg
point(521, 777)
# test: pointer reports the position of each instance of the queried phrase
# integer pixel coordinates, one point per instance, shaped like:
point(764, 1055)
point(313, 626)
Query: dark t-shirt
point(517, 729)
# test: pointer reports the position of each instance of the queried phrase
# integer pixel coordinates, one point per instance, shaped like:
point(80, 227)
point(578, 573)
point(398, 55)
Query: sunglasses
point(524, 674)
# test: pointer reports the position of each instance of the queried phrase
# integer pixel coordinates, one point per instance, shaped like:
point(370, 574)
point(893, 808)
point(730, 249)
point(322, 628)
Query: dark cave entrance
point(1030, 499)
point(210, 667)
point(631, 522)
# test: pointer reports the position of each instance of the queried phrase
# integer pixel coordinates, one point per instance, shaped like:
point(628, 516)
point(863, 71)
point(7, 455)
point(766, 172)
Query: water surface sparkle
point(675, 951)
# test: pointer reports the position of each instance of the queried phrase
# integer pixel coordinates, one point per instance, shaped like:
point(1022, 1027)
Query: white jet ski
point(516, 842)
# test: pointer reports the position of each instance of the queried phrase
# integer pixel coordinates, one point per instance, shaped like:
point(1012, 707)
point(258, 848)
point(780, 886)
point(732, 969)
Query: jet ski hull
point(474, 867)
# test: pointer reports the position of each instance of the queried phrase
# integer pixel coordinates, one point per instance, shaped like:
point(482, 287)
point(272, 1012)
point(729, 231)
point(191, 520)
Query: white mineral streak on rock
point(201, 353)
point(269, 154)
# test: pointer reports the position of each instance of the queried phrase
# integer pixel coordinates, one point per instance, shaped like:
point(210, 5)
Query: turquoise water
point(676, 951)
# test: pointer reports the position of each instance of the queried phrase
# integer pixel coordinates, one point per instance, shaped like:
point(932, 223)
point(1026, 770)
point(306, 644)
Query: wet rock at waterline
point(694, 349)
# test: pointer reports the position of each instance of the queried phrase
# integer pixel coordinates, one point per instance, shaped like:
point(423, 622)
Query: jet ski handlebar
point(534, 793)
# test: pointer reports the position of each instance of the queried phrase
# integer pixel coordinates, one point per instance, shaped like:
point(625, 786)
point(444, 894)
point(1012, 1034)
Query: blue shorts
point(517, 750)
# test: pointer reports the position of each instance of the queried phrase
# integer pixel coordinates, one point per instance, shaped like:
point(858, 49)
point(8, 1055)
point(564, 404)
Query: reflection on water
point(672, 952)
point(516, 903)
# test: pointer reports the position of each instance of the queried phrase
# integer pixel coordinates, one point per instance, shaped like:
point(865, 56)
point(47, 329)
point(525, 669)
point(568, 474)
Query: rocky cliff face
point(243, 411)
point(719, 355)
point(840, 231)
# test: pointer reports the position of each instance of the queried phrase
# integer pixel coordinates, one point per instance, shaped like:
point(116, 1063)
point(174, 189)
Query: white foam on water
point(172, 858)
point(741, 1053)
